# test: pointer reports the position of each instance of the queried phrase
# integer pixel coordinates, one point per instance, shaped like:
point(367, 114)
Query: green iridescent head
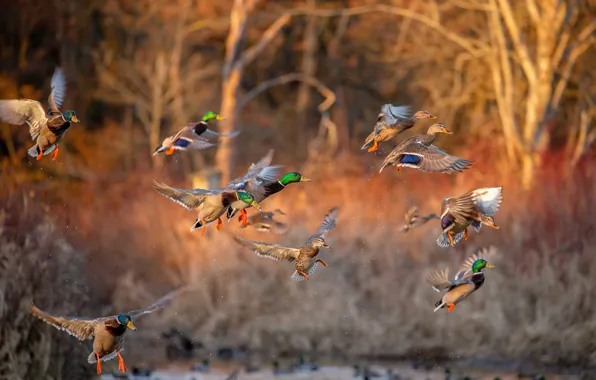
point(70, 116)
point(479, 265)
point(125, 320)
point(248, 199)
point(292, 177)
point(212, 116)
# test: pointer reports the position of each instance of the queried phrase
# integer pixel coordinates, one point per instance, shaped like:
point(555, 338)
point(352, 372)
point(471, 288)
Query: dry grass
point(37, 263)
point(536, 306)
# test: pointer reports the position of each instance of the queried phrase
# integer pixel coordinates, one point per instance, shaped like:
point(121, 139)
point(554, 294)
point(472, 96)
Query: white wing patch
point(488, 199)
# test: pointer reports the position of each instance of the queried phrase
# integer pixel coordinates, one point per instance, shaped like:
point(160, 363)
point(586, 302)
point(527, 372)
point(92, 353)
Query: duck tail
point(198, 224)
point(92, 359)
point(438, 305)
point(33, 151)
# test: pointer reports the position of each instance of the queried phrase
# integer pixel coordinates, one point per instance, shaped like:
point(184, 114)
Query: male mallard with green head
point(418, 152)
point(261, 190)
point(467, 280)
point(108, 333)
point(192, 136)
point(265, 221)
point(414, 220)
point(473, 208)
point(392, 121)
point(305, 256)
point(212, 204)
point(46, 130)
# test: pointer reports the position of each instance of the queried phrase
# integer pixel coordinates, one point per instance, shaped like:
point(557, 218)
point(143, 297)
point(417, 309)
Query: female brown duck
point(418, 152)
point(392, 121)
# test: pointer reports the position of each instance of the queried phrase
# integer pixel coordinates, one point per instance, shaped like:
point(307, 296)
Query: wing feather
point(270, 251)
point(434, 159)
point(58, 93)
point(253, 172)
point(396, 114)
point(82, 329)
point(21, 111)
point(329, 223)
point(189, 199)
point(159, 304)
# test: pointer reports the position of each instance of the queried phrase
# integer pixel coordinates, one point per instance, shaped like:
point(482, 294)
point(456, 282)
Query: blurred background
point(87, 235)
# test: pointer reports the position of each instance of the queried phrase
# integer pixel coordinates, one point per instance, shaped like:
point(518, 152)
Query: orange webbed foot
point(40, 155)
point(450, 235)
point(399, 169)
point(322, 262)
point(203, 227)
point(243, 218)
point(451, 307)
point(219, 224)
point(303, 275)
point(374, 147)
point(55, 153)
point(170, 151)
point(98, 363)
point(121, 365)
point(466, 234)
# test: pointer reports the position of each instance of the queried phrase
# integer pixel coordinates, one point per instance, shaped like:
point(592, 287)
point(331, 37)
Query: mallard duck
point(192, 136)
point(108, 333)
point(262, 189)
point(46, 130)
point(212, 204)
point(392, 121)
point(413, 219)
point(305, 255)
point(260, 181)
point(265, 222)
point(473, 208)
point(467, 280)
point(418, 152)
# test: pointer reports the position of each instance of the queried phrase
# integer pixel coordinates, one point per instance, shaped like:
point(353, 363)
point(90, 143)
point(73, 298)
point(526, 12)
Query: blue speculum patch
point(182, 143)
point(410, 159)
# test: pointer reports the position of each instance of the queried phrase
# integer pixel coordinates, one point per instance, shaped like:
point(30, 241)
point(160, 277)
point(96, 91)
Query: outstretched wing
point(82, 329)
point(270, 251)
point(429, 158)
point(196, 143)
point(462, 208)
point(439, 280)
point(208, 133)
point(327, 225)
point(395, 114)
point(58, 93)
point(189, 199)
point(159, 304)
point(253, 171)
point(21, 111)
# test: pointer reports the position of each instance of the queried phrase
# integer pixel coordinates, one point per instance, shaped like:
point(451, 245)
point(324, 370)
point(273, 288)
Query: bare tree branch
point(287, 78)
point(251, 53)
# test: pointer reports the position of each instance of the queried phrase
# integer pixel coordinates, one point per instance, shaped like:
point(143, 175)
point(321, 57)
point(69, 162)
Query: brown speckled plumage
point(305, 256)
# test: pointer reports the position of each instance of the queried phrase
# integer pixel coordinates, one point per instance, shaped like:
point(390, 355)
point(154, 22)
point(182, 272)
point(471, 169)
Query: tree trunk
point(225, 155)
point(309, 68)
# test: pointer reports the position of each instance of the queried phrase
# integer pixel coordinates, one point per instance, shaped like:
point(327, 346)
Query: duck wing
point(439, 280)
point(21, 111)
point(190, 199)
point(188, 143)
point(393, 116)
point(465, 271)
point(329, 223)
point(270, 251)
point(429, 158)
point(157, 305)
point(82, 329)
point(58, 93)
